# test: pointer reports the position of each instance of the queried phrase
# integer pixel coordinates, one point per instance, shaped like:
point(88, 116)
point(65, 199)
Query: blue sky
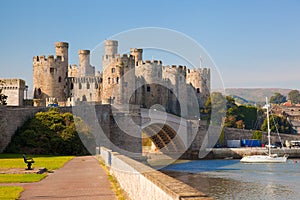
point(254, 43)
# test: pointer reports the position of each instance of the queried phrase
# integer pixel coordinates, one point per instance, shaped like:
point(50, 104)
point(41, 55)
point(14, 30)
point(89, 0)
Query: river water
point(230, 179)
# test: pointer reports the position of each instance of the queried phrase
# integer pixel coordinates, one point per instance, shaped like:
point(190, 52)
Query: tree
point(216, 107)
point(230, 121)
point(246, 115)
point(294, 96)
point(240, 124)
point(3, 97)
point(277, 98)
point(279, 123)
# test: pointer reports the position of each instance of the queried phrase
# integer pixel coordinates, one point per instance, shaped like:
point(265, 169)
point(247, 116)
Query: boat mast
point(269, 136)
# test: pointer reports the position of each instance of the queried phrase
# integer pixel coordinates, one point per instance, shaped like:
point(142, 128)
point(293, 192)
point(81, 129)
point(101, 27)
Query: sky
point(253, 43)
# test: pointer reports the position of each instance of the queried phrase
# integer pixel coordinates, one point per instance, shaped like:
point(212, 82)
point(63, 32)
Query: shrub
point(50, 132)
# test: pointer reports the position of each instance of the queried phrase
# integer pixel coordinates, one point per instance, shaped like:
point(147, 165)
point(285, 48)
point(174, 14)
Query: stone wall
point(142, 182)
point(239, 134)
point(11, 118)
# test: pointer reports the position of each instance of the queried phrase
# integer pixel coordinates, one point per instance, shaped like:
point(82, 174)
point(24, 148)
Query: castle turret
point(111, 47)
point(111, 54)
point(84, 63)
point(138, 55)
point(50, 76)
point(61, 49)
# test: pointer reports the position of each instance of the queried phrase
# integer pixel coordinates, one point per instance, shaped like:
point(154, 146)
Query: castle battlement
point(61, 44)
point(157, 62)
point(80, 83)
point(199, 70)
point(85, 52)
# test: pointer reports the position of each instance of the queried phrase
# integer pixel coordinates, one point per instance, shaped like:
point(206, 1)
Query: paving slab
point(81, 178)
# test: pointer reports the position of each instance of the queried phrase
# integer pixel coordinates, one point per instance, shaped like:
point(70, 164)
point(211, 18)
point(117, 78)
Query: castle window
point(113, 70)
point(72, 86)
point(39, 92)
point(51, 70)
point(108, 80)
point(117, 80)
point(87, 86)
point(96, 85)
point(148, 88)
point(198, 90)
point(59, 79)
point(79, 86)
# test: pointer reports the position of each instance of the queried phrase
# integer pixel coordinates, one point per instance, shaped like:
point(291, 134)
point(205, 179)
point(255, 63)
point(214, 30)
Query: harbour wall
point(237, 153)
point(140, 181)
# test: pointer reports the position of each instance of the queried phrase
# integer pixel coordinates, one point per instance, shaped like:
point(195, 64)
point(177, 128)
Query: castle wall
point(87, 89)
point(14, 90)
point(15, 117)
point(54, 79)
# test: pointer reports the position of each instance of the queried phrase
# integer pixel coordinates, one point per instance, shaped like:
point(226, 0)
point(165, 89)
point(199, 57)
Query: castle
point(124, 79)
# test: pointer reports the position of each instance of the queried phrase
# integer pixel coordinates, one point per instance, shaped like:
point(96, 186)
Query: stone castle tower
point(124, 79)
point(50, 76)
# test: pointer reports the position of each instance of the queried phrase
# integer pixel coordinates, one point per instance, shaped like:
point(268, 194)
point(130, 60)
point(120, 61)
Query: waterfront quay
point(237, 153)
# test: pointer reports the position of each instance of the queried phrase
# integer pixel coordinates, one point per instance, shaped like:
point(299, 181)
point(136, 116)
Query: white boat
point(269, 158)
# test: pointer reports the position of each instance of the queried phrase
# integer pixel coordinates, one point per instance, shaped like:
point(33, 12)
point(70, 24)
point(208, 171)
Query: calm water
point(230, 179)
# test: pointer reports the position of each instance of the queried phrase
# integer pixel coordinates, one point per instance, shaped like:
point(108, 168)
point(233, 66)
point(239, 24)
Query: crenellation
point(111, 85)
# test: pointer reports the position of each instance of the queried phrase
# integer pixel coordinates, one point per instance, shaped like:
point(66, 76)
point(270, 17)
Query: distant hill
point(240, 100)
point(251, 95)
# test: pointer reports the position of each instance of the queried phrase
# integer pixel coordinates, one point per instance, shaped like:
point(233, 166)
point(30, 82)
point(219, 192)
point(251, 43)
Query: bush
point(52, 133)
point(257, 135)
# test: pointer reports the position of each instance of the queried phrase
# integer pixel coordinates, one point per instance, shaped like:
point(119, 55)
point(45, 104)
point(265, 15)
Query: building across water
point(124, 79)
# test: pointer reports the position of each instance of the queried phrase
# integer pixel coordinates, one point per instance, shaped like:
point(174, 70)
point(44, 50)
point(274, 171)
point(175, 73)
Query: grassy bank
point(10, 192)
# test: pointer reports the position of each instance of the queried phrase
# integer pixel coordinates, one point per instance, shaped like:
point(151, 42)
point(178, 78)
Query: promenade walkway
point(80, 178)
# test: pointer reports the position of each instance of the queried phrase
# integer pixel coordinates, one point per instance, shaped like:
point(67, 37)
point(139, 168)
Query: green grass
point(8, 161)
point(21, 178)
point(10, 192)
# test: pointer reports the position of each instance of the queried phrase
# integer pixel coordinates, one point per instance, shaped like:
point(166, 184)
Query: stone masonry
point(124, 79)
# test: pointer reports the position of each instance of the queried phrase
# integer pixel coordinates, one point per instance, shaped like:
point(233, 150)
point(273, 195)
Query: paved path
point(81, 178)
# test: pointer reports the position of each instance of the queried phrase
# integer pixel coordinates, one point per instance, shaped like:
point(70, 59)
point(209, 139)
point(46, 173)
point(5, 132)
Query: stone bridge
point(170, 134)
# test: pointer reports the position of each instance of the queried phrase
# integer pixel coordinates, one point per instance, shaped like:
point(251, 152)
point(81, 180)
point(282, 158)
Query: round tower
point(111, 47)
point(61, 49)
point(84, 58)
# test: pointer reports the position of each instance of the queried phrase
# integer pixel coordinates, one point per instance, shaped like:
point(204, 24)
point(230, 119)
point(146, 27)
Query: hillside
point(255, 94)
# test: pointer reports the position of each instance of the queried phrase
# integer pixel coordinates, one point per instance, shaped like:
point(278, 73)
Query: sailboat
point(269, 158)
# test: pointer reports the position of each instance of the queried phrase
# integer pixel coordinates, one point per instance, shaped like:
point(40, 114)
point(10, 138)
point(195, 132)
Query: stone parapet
point(140, 181)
